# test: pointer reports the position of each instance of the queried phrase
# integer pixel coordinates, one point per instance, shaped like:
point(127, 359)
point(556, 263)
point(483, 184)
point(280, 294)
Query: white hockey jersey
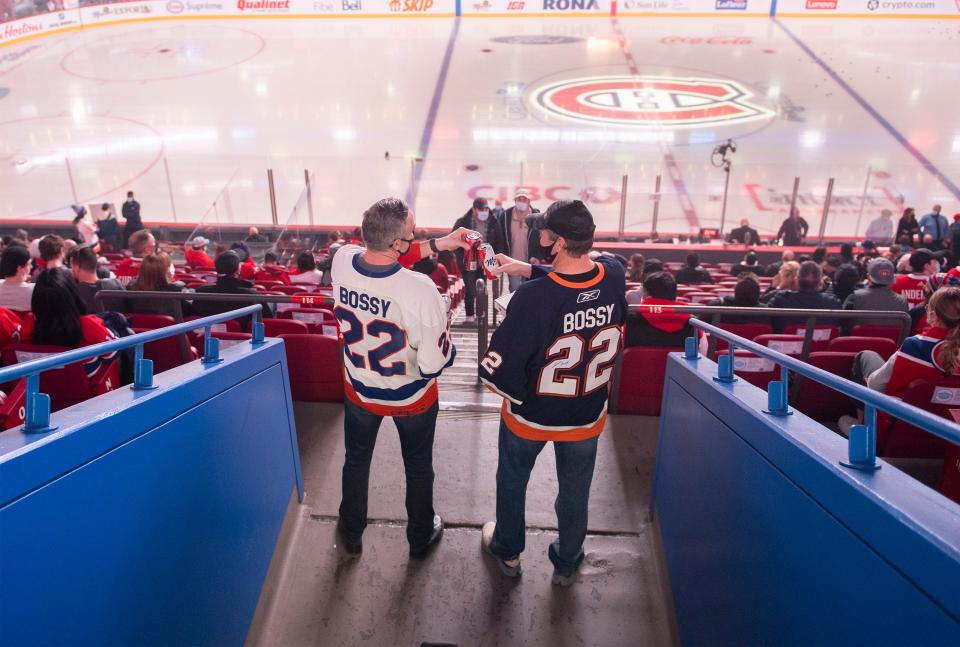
point(395, 335)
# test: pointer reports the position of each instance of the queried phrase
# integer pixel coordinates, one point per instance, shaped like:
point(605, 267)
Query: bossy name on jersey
point(363, 301)
point(589, 318)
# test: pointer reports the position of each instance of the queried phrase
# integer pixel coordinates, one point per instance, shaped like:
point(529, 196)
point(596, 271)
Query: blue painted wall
point(768, 540)
point(150, 518)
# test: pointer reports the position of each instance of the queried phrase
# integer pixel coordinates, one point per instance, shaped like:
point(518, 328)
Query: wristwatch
point(433, 246)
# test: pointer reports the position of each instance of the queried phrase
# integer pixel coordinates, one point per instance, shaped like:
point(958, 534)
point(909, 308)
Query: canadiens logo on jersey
point(393, 325)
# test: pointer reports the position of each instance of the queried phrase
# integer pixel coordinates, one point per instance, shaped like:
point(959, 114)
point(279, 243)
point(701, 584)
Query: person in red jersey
point(923, 264)
point(195, 254)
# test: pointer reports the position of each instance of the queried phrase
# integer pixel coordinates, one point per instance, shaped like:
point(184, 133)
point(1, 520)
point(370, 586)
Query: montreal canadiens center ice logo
point(649, 101)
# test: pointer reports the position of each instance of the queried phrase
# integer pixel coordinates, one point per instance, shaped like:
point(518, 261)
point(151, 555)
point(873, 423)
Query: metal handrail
point(862, 440)
point(482, 321)
point(37, 406)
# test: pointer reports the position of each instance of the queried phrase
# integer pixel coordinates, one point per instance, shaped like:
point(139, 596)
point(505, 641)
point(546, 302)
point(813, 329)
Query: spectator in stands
point(877, 295)
point(880, 230)
point(745, 234)
point(785, 257)
point(131, 214)
point(934, 228)
point(436, 272)
point(750, 264)
point(83, 266)
point(108, 228)
point(449, 262)
point(156, 272)
point(786, 279)
point(635, 268)
point(228, 282)
point(923, 265)
point(86, 228)
point(22, 235)
point(142, 244)
point(248, 269)
point(647, 328)
point(515, 229)
point(271, 270)
point(692, 272)
point(831, 264)
point(308, 274)
point(652, 266)
point(477, 218)
point(955, 239)
point(60, 319)
point(15, 292)
point(793, 230)
point(808, 295)
point(746, 294)
point(254, 236)
point(918, 314)
point(846, 253)
point(52, 252)
point(845, 281)
point(195, 254)
point(893, 254)
point(819, 255)
point(931, 355)
point(908, 229)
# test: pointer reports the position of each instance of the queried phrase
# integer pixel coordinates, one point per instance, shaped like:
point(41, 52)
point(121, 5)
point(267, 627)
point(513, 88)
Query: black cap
point(570, 219)
point(227, 263)
point(480, 203)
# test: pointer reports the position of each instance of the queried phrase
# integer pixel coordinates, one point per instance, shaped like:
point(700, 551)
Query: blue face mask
point(483, 215)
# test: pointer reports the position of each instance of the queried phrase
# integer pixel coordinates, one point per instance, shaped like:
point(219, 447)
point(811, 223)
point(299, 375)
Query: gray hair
point(384, 223)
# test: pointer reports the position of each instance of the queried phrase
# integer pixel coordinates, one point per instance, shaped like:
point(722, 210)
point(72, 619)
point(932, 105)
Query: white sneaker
point(470, 319)
point(845, 422)
point(509, 567)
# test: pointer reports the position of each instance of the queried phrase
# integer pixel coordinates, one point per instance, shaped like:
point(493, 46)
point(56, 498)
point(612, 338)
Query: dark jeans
point(360, 429)
point(865, 363)
point(470, 283)
point(575, 461)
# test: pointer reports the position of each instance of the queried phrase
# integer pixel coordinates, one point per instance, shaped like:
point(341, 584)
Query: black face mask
point(409, 242)
point(552, 254)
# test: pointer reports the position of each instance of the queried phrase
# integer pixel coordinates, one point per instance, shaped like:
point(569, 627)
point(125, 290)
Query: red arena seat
point(872, 330)
point(277, 327)
point(821, 402)
point(320, 321)
point(822, 334)
point(745, 330)
point(758, 371)
point(882, 345)
point(167, 353)
point(228, 339)
point(12, 410)
point(66, 386)
point(950, 476)
point(786, 344)
point(640, 386)
point(314, 365)
point(896, 438)
point(150, 321)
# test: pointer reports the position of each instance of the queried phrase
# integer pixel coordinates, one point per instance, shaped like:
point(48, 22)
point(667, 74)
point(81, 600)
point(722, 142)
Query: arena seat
point(12, 410)
point(950, 476)
point(874, 330)
point(66, 386)
point(277, 327)
point(166, 353)
point(150, 321)
point(786, 344)
point(314, 363)
point(745, 330)
point(896, 438)
point(822, 334)
point(821, 402)
point(758, 371)
point(320, 321)
point(640, 385)
point(228, 339)
point(289, 289)
point(884, 346)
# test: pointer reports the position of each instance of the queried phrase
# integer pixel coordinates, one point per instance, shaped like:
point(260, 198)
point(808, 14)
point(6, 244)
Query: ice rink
point(440, 110)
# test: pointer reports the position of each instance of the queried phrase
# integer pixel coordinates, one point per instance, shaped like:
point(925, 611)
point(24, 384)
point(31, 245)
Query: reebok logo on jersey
point(589, 295)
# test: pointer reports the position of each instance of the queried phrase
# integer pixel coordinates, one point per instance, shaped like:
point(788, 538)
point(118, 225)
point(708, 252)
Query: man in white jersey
point(396, 341)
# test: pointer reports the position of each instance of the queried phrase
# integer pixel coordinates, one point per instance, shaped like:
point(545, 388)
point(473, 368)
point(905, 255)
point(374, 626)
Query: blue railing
point(862, 441)
point(37, 405)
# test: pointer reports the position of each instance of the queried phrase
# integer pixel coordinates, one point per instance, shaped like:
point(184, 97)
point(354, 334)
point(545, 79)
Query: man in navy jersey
point(551, 360)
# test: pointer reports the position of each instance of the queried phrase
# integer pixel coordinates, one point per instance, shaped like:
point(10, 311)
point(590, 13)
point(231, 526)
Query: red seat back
point(899, 439)
point(320, 321)
point(66, 386)
point(150, 321)
point(822, 334)
point(167, 353)
point(884, 346)
point(228, 339)
point(821, 402)
point(950, 476)
point(745, 330)
point(289, 289)
point(874, 330)
point(640, 387)
point(12, 411)
point(758, 371)
point(277, 327)
point(314, 365)
point(786, 344)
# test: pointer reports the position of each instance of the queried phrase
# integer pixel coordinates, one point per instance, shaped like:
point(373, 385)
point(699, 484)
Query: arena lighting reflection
point(122, 145)
point(560, 135)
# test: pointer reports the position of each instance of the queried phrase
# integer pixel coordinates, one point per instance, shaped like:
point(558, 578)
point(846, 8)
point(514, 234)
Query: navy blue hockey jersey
point(553, 356)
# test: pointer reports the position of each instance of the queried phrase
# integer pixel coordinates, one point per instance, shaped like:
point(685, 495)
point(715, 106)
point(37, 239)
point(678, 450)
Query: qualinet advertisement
point(870, 7)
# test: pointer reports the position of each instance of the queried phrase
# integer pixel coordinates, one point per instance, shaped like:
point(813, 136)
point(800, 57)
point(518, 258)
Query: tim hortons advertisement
point(34, 25)
point(868, 8)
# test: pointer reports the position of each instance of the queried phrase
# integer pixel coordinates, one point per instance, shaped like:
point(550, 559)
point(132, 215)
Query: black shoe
point(435, 535)
point(350, 547)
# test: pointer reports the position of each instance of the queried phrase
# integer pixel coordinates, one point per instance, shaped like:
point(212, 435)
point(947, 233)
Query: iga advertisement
point(869, 7)
point(519, 7)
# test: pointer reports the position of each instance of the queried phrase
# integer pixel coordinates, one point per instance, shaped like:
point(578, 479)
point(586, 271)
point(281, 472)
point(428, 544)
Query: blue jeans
point(575, 461)
point(360, 429)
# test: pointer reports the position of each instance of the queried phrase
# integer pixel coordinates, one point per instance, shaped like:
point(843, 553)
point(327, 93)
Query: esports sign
point(649, 101)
